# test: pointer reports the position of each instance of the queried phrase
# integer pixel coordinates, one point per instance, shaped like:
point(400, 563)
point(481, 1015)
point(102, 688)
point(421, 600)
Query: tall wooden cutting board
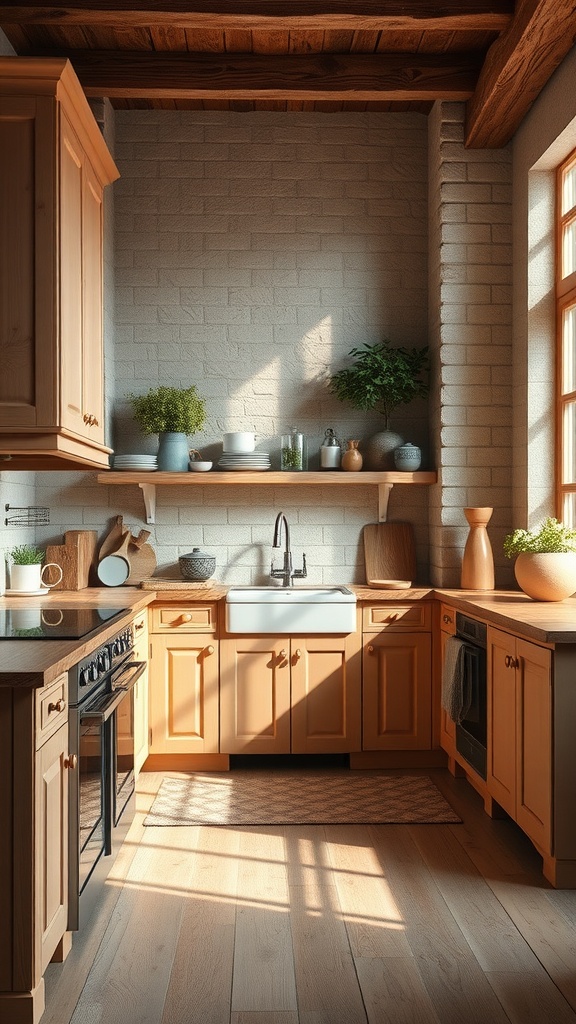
point(75, 557)
point(390, 555)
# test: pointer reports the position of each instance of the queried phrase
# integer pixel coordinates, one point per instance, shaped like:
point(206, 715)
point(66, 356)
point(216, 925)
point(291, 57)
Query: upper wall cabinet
point(54, 166)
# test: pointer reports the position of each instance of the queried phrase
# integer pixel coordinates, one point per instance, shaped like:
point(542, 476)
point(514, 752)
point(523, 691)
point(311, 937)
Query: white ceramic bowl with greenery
point(545, 566)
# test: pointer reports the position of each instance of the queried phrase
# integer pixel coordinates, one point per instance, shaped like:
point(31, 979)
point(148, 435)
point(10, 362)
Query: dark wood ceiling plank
point(168, 38)
point(329, 77)
point(448, 15)
point(517, 67)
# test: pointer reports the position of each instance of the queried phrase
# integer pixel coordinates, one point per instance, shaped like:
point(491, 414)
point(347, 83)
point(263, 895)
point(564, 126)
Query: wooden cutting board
point(390, 555)
point(75, 557)
point(112, 539)
point(142, 561)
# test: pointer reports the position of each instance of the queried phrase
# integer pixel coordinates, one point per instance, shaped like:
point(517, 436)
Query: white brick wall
point(470, 308)
point(252, 255)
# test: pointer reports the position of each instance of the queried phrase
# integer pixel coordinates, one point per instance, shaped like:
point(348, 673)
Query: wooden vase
point(352, 458)
point(477, 560)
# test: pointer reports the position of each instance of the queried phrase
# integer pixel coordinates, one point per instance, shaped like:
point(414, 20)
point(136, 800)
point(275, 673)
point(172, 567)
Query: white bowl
point(199, 467)
point(239, 441)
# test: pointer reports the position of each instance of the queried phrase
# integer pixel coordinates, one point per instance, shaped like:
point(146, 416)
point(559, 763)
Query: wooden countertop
point(548, 622)
point(37, 663)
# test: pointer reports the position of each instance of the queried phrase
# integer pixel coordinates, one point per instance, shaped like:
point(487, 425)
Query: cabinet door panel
point(396, 692)
point(534, 742)
point(52, 844)
point(184, 695)
point(501, 710)
point(71, 291)
point(447, 726)
point(325, 695)
point(255, 696)
point(92, 306)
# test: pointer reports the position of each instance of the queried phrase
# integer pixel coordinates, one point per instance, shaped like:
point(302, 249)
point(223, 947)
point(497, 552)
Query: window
point(566, 346)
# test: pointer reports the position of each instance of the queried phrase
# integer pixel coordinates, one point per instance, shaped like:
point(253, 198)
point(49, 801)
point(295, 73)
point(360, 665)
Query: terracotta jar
point(352, 459)
point(477, 561)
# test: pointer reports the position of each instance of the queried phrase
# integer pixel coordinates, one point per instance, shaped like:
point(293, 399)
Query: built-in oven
point(101, 791)
point(471, 729)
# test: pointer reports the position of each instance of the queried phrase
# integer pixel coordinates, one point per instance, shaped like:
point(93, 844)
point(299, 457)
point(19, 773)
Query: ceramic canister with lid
point(407, 457)
point(197, 565)
point(330, 452)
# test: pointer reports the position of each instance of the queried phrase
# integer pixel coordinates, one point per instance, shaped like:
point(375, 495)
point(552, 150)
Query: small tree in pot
point(383, 377)
point(174, 414)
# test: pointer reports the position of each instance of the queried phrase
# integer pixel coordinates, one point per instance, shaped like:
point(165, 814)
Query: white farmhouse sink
point(290, 610)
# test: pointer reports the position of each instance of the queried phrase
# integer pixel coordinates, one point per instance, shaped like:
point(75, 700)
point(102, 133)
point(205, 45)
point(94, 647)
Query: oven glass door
point(123, 752)
point(92, 762)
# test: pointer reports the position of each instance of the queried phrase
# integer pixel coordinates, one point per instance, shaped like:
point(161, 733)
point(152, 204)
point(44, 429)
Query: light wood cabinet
point(519, 772)
point(397, 677)
point(282, 695)
point(141, 694)
point(53, 170)
point(183, 693)
point(447, 726)
point(33, 843)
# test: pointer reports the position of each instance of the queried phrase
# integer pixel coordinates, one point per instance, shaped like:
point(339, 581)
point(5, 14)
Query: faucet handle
point(301, 574)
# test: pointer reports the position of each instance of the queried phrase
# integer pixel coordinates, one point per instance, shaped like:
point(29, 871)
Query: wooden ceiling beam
point(517, 67)
point(375, 15)
point(324, 76)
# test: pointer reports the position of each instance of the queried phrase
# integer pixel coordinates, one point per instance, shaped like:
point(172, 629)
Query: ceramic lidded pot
point(197, 565)
point(407, 457)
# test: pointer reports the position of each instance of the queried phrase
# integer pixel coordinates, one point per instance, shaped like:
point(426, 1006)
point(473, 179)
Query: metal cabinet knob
point(58, 706)
point(71, 761)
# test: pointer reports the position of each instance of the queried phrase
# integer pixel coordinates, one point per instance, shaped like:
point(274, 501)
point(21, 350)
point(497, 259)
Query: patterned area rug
point(299, 798)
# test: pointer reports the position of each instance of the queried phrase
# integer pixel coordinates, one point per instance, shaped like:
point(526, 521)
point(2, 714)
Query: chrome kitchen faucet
point(286, 574)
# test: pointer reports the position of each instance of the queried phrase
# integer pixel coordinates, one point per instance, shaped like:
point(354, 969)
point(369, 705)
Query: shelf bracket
point(383, 498)
point(149, 495)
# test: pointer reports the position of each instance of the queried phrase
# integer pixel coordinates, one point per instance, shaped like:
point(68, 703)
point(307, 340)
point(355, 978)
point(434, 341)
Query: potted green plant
point(174, 414)
point(545, 566)
point(25, 572)
point(382, 377)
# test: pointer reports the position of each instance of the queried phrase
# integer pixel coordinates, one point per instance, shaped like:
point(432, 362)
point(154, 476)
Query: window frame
point(565, 297)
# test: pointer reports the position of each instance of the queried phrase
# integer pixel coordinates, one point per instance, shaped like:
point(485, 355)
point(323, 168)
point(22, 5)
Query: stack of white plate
point(136, 463)
point(247, 460)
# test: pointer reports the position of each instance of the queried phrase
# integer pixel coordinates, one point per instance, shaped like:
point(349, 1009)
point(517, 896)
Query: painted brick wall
point(252, 253)
point(470, 298)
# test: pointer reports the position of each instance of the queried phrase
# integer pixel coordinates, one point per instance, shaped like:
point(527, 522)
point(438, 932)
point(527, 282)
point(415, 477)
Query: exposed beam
point(325, 76)
point(389, 15)
point(517, 67)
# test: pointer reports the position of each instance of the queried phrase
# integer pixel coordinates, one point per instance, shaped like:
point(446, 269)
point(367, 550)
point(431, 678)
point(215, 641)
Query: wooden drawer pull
point(447, 619)
point(58, 706)
point(297, 654)
point(370, 649)
point(282, 654)
point(71, 761)
point(209, 649)
point(138, 626)
point(186, 617)
point(392, 617)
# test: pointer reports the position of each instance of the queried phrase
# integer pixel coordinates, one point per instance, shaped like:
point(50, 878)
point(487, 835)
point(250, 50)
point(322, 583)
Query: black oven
point(101, 801)
point(471, 730)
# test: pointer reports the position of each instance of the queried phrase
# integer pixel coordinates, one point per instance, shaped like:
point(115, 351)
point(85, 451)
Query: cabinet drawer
point(51, 709)
point(190, 618)
point(448, 619)
point(416, 615)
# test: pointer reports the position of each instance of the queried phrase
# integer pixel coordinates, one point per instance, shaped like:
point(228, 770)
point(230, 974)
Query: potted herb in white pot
point(26, 571)
point(382, 377)
point(545, 566)
point(174, 414)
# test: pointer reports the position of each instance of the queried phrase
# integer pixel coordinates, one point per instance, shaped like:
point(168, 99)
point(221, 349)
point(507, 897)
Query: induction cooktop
point(48, 622)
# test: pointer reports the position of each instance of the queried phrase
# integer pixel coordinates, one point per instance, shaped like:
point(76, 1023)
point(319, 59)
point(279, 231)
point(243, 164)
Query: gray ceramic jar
point(197, 565)
point(407, 457)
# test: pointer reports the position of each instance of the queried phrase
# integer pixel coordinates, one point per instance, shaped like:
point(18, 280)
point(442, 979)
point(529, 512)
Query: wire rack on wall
point(29, 515)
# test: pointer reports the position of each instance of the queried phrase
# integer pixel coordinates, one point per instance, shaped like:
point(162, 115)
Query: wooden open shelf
point(148, 482)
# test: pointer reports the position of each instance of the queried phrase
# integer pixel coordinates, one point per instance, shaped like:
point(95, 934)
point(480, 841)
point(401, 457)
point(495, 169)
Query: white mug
point(31, 577)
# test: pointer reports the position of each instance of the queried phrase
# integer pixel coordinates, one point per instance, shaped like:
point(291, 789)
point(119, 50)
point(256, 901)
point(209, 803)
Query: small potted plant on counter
point(382, 377)
point(174, 414)
point(545, 566)
point(25, 572)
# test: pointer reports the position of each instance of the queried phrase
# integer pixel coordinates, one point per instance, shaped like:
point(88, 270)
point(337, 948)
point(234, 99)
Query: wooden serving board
point(142, 562)
point(389, 555)
point(169, 583)
point(75, 557)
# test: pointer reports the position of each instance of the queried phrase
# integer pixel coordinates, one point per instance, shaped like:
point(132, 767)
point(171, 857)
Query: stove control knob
point(93, 671)
point(103, 661)
point(83, 676)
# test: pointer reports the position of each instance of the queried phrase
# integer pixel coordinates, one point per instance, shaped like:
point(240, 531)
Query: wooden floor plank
point(493, 938)
point(201, 979)
point(394, 992)
point(263, 959)
point(454, 980)
point(129, 979)
point(373, 920)
point(531, 998)
point(269, 1017)
point(326, 982)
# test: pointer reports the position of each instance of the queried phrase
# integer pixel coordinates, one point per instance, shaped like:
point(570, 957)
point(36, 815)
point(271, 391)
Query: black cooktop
point(48, 622)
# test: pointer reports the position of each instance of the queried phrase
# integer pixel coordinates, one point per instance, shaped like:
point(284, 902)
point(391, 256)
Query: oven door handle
point(133, 670)
point(102, 709)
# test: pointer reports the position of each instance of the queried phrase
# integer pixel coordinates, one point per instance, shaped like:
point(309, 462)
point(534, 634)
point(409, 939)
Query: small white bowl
point(199, 467)
point(239, 441)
